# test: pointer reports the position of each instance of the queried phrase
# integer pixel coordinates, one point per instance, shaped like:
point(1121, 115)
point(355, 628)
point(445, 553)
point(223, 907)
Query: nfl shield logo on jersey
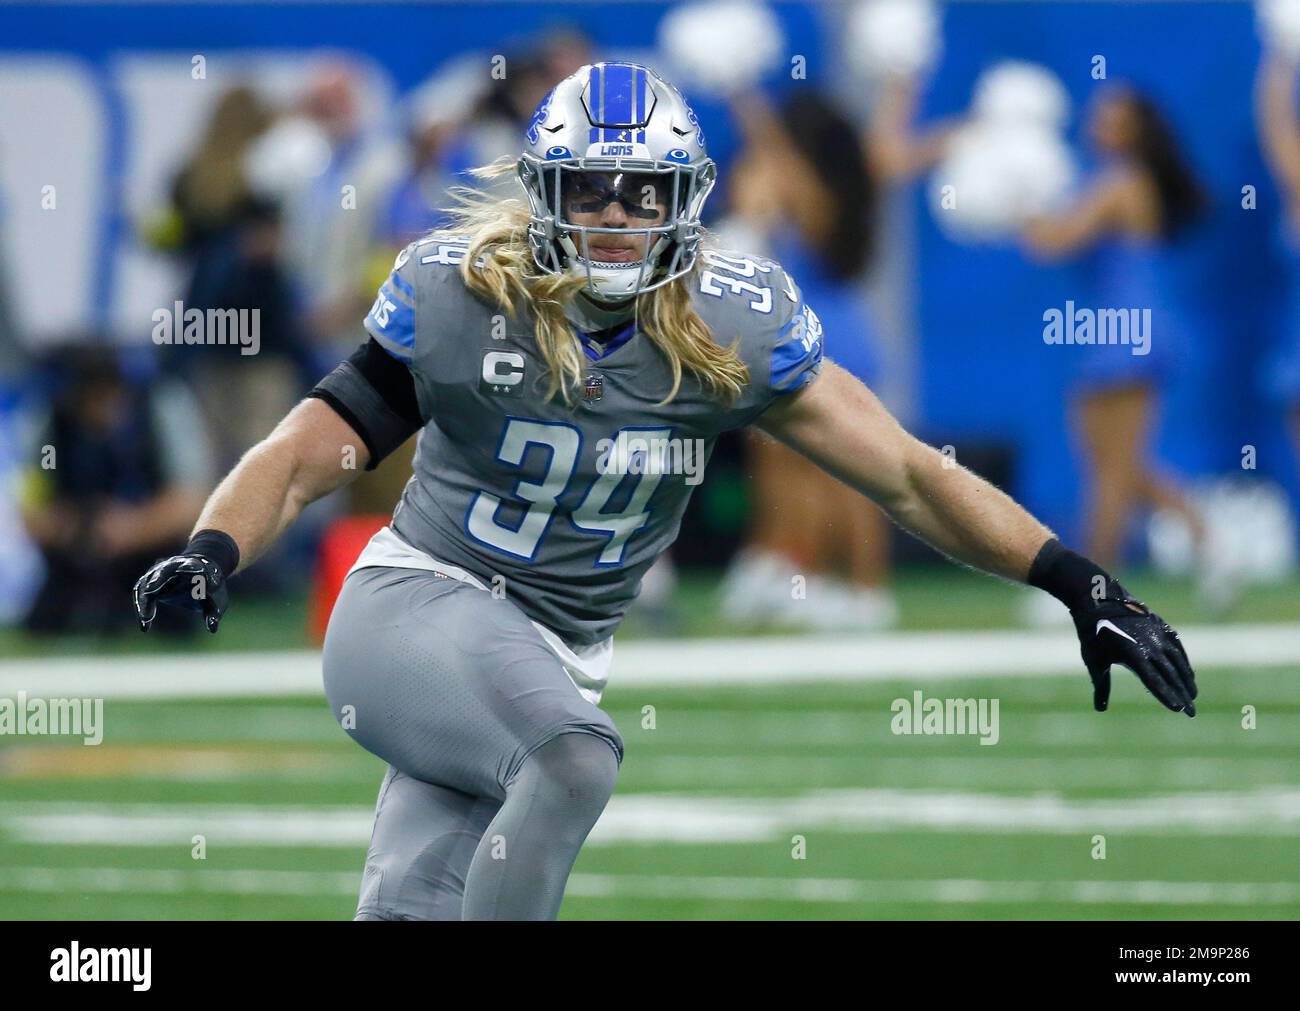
point(593, 387)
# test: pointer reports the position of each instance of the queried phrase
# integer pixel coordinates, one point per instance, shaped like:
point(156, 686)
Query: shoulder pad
point(751, 299)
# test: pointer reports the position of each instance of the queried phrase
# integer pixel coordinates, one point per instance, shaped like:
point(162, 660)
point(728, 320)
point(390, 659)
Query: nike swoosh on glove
point(1114, 628)
point(1122, 630)
point(189, 581)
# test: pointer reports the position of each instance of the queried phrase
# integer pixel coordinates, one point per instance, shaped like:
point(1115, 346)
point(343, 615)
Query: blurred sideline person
point(117, 476)
point(332, 213)
point(1123, 227)
point(245, 395)
point(802, 193)
point(211, 187)
point(1278, 123)
point(232, 241)
point(20, 564)
point(510, 100)
point(472, 641)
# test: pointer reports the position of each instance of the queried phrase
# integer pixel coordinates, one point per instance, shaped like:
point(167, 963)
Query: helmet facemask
point(646, 189)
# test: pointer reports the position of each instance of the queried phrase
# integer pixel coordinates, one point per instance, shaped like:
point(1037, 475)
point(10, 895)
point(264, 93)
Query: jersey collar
point(601, 343)
point(590, 316)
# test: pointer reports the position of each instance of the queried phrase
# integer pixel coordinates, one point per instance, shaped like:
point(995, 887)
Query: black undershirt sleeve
point(375, 394)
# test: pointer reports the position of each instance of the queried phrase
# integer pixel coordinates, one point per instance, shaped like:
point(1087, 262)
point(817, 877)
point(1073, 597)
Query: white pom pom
point(967, 193)
point(1250, 537)
point(1042, 167)
point(721, 45)
point(1009, 162)
point(289, 154)
point(996, 176)
point(1250, 523)
point(1279, 25)
point(1021, 93)
point(893, 37)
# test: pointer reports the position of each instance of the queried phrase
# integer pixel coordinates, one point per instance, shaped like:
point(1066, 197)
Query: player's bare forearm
point(842, 427)
point(311, 453)
point(965, 517)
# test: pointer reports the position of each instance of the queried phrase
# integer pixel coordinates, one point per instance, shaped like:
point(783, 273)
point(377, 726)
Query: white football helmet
point(615, 131)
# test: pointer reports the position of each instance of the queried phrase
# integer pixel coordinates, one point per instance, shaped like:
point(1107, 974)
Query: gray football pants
point(497, 766)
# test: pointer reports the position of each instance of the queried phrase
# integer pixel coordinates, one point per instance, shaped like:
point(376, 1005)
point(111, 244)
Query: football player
point(471, 641)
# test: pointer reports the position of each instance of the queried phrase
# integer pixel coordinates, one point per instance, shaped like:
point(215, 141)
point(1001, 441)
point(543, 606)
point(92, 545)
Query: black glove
point(1114, 628)
point(195, 579)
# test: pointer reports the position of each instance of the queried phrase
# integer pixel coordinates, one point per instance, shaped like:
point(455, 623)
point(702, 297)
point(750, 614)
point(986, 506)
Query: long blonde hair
point(509, 277)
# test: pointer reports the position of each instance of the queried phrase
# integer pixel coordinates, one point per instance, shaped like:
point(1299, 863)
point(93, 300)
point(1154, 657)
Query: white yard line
point(942, 891)
point(897, 656)
point(1109, 773)
point(73, 880)
point(687, 819)
point(956, 891)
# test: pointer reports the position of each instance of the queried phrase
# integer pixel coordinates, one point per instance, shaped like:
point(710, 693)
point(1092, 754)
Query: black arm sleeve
point(375, 394)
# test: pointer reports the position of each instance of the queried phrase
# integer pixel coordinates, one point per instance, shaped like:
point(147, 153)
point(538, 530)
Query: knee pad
point(576, 767)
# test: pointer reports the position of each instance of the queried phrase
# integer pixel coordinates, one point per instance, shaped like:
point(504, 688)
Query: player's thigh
point(446, 682)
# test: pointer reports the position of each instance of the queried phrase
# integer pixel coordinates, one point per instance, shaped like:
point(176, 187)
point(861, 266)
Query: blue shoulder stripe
point(402, 285)
point(797, 355)
point(391, 321)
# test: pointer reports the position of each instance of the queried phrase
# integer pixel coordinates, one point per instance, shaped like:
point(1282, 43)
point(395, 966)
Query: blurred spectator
point(330, 171)
point(211, 187)
point(232, 241)
point(116, 478)
point(245, 396)
point(1124, 226)
point(439, 148)
point(511, 99)
point(19, 561)
point(463, 116)
point(13, 352)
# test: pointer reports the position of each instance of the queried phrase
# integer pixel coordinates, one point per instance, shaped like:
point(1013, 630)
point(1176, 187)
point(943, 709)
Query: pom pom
point(1279, 25)
point(996, 176)
point(1020, 93)
point(723, 46)
point(893, 37)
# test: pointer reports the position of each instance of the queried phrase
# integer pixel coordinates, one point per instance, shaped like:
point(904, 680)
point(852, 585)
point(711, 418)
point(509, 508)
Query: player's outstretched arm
point(310, 453)
point(842, 427)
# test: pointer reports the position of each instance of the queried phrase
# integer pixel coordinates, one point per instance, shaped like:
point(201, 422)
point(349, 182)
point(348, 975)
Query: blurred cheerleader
point(1123, 227)
point(801, 195)
point(1279, 131)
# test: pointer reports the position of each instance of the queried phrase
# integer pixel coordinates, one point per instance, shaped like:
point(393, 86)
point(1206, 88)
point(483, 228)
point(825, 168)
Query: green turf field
point(774, 802)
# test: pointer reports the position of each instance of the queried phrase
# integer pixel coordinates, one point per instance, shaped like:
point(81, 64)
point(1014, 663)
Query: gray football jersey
point(570, 503)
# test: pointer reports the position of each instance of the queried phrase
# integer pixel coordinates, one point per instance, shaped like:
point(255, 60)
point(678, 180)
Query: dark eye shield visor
point(641, 194)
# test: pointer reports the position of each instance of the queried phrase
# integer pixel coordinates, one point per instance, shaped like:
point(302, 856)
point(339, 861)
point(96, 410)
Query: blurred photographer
point(116, 478)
